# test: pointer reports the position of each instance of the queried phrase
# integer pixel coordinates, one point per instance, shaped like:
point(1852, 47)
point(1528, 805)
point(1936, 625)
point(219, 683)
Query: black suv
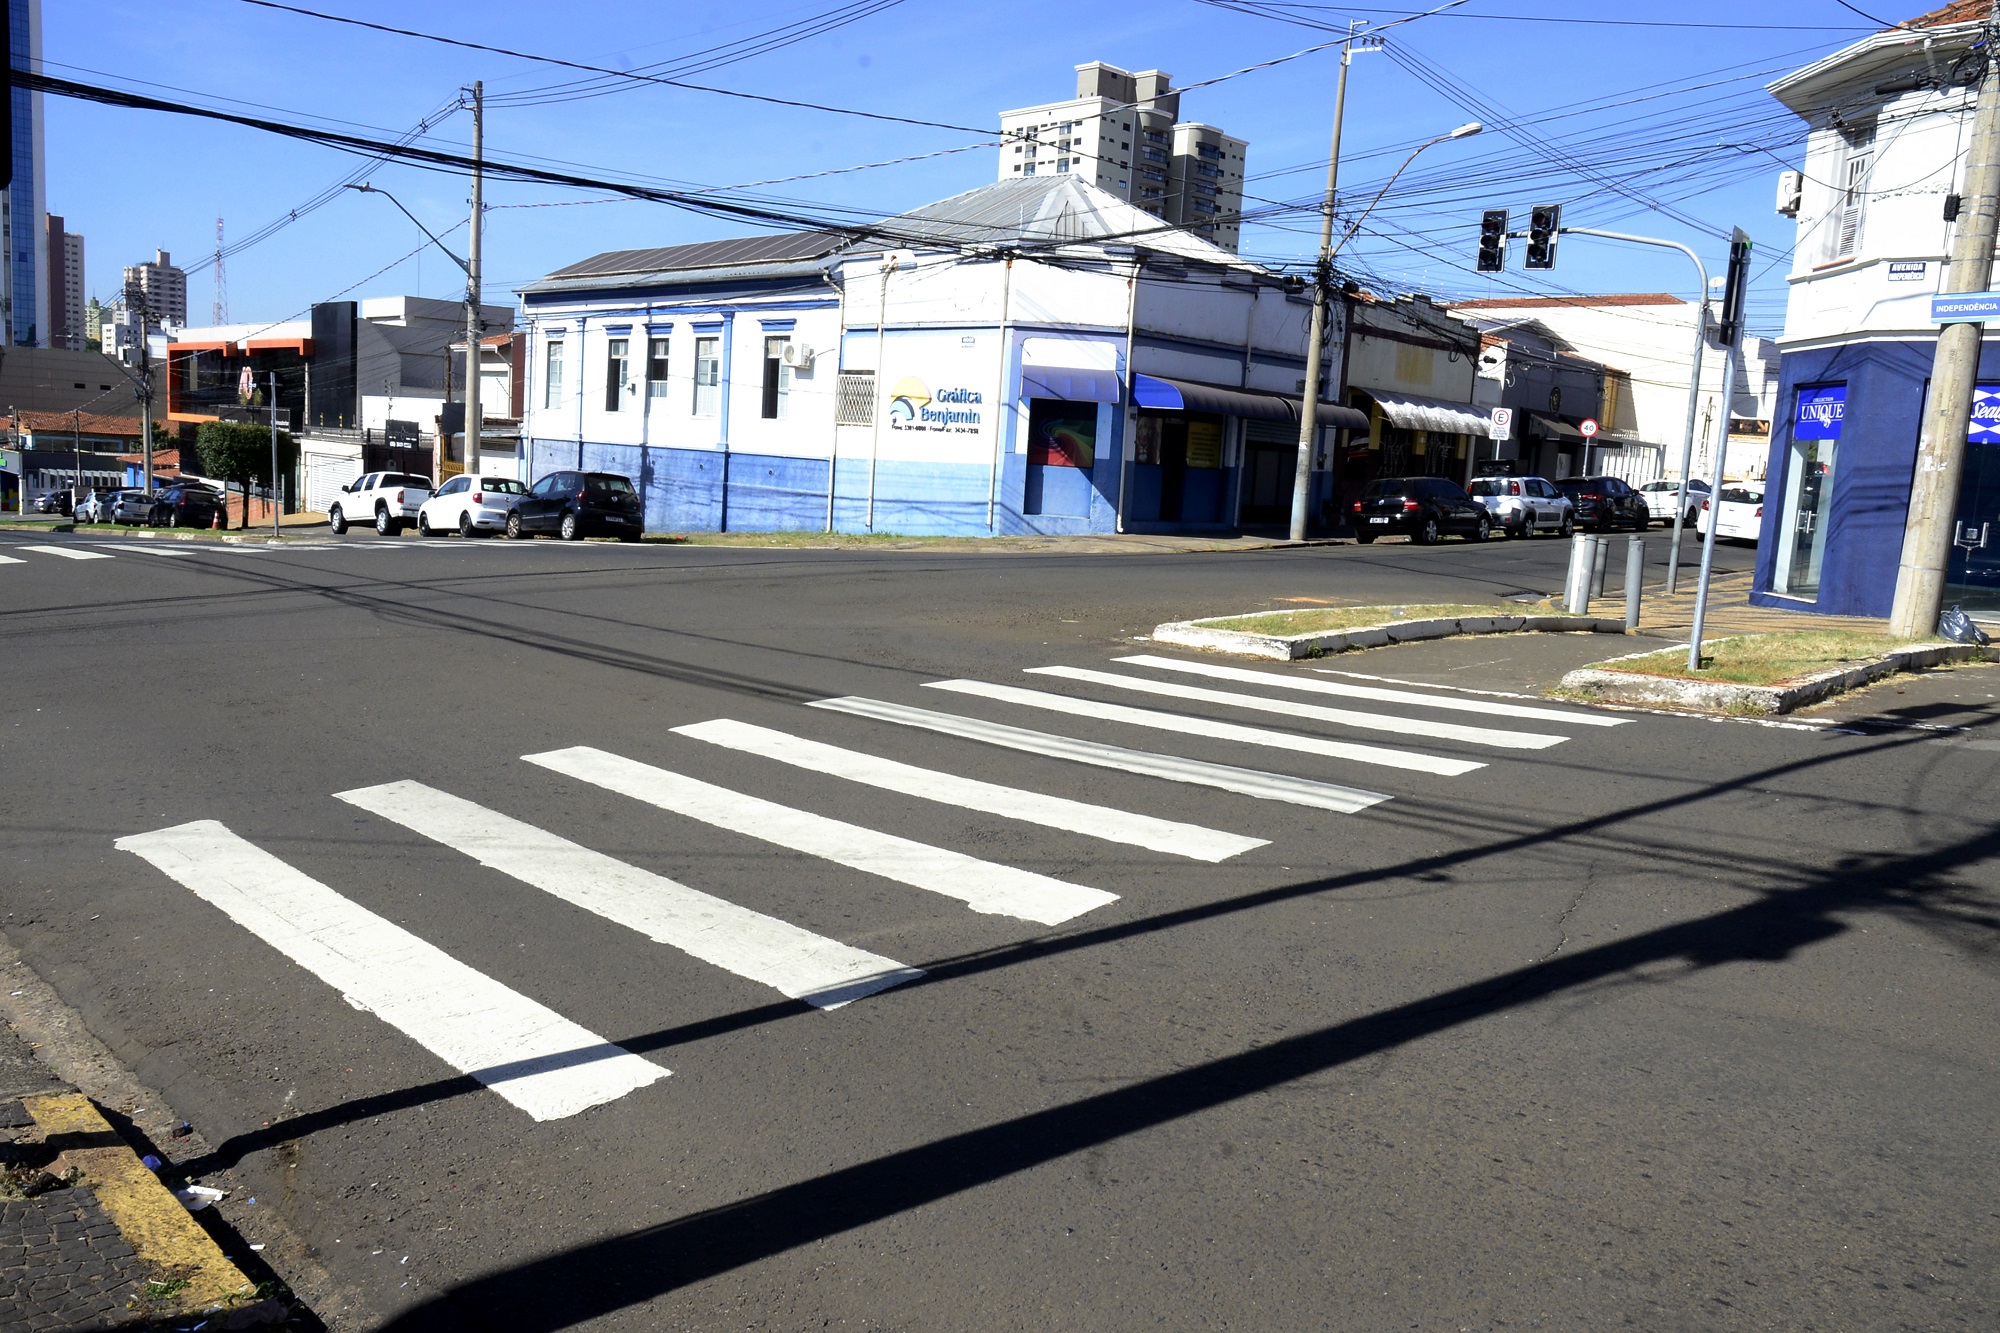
point(1424, 508)
point(574, 505)
point(1604, 503)
point(186, 505)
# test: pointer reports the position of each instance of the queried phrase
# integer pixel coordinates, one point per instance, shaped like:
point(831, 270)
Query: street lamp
point(1465, 131)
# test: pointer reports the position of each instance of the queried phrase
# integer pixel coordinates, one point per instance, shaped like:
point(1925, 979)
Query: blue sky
point(132, 182)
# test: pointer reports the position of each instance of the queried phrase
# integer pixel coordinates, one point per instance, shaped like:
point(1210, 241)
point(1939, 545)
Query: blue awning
point(1171, 395)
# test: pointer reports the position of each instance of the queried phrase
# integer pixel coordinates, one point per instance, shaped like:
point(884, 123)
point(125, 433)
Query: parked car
point(131, 506)
point(1605, 503)
point(1661, 496)
point(574, 505)
point(55, 502)
point(1740, 510)
point(186, 504)
point(1524, 505)
point(386, 499)
point(96, 506)
point(1425, 508)
point(470, 504)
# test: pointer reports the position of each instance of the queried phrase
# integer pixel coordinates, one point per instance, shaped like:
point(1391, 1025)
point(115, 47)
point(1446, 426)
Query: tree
point(240, 451)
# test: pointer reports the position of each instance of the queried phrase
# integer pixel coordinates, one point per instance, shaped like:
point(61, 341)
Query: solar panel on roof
point(709, 254)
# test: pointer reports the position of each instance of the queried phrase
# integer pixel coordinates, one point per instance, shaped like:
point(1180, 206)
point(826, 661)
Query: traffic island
point(1290, 635)
point(1760, 675)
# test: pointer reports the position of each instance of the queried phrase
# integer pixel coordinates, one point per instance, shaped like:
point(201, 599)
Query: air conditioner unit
point(798, 356)
point(1791, 192)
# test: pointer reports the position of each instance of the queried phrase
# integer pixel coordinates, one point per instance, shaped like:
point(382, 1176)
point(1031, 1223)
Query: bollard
point(1600, 561)
point(1635, 579)
point(1576, 590)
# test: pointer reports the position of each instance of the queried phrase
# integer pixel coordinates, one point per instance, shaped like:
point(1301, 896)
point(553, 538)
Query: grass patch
point(1313, 620)
point(1765, 659)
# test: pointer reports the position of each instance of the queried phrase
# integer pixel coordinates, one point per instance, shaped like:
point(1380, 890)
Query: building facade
point(1874, 203)
point(158, 288)
point(24, 277)
point(1122, 132)
point(1549, 391)
point(66, 287)
point(1011, 360)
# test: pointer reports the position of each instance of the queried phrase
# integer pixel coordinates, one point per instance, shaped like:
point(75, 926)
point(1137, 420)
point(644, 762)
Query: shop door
point(1972, 579)
point(1173, 468)
point(1816, 423)
point(1062, 450)
point(1270, 459)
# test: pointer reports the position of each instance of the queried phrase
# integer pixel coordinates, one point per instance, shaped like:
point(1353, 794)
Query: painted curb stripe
point(983, 886)
point(67, 553)
point(1196, 772)
point(1096, 821)
point(789, 959)
point(529, 1054)
point(1443, 731)
point(1196, 726)
point(1314, 685)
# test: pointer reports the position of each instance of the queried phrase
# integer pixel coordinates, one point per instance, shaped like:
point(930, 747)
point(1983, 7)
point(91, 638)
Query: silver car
point(1524, 505)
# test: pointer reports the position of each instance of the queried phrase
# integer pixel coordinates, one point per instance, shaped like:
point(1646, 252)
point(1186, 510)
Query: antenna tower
point(220, 313)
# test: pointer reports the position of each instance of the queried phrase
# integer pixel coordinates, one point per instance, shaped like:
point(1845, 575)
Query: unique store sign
point(912, 406)
point(1820, 413)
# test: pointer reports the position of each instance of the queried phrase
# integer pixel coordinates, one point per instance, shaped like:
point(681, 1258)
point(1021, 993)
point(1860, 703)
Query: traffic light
point(1735, 291)
point(1493, 240)
point(1544, 225)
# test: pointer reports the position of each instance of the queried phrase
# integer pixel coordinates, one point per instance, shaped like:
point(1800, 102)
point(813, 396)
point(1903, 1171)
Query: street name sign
point(1965, 307)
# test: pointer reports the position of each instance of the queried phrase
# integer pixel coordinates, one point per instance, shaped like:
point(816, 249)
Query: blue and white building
point(1035, 356)
point(1889, 117)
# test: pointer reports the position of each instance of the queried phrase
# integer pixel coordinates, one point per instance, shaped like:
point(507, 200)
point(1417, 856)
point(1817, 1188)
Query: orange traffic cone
point(215, 523)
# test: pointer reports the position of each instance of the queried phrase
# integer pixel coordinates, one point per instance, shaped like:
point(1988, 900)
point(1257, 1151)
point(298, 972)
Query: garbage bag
point(1958, 627)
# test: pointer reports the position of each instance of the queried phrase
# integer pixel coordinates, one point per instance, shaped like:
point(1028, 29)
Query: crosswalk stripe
point(66, 552)
point(794, 961)
point(526, 1052)
point(1196, 772)
point(1197, 726)
point(1314, 685)
point(1346, 717)
point(1097, 821)
point(136, 548)
point(983, 886)
point(11, 560)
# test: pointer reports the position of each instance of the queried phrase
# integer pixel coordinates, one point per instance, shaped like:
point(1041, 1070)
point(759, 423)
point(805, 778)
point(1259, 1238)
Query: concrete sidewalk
point(1729, 611)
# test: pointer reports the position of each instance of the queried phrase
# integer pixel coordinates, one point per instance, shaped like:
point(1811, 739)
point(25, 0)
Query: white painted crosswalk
point(984, 886)
point(1094, 821)
point(550, 1066)
point(795, 962)
point(66, 552)
point(529, 1054)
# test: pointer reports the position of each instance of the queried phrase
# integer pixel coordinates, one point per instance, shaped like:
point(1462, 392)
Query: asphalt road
point(1675, 1023)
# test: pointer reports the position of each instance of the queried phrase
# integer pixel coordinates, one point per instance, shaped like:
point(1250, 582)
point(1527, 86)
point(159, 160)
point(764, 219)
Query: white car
point(1660, 497)
point(1741, 514)
point(466, 505)
point(386, 499)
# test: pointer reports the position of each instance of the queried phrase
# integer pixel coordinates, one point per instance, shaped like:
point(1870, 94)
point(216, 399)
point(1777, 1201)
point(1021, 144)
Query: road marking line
point(791, 960)
point(1196, 772)
point(11, 560)
point(1096, 821)
point(65, 552)
point(1195, 726)
point(1444, 731)
point(996, 890)
point(526, 1052)
point(1313, 684)
point(137, 548)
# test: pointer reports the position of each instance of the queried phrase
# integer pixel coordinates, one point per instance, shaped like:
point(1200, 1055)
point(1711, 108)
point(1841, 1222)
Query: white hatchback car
point(1740, 510)
point(466, 505)
point(1661, 496)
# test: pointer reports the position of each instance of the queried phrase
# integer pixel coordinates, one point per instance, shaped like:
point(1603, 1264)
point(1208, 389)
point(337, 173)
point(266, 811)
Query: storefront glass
point(1817, 417)
point(1972, 579)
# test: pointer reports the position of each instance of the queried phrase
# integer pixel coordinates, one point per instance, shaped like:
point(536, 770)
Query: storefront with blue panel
point(1843, 453)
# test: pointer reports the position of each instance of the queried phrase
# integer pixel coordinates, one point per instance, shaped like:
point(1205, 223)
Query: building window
point(656, 367)
point(1844, 239)
point(617, 351)
point(551, 381)
point(1209, 151)
point(707, 375)
point(1154, 136)
point(1028, 170)
point(854, 399)
point(1153, 154)
point(1062, 164)
point(777, 380)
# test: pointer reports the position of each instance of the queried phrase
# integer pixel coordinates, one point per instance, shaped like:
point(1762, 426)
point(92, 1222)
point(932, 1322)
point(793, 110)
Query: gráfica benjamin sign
point(912, 406)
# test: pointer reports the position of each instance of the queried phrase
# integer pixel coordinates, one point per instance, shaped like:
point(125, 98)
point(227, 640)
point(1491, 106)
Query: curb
point(160, 1230)
point(1710, 696)
point(1291, 647)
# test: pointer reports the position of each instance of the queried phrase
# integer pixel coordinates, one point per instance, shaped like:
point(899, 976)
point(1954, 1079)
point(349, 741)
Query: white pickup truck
point(386, 499)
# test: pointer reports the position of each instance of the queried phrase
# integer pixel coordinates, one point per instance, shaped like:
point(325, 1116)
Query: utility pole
point(1928, 531)
point(274, 453)
point(146, 398)
point(1322, 282)
point(473, 417)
